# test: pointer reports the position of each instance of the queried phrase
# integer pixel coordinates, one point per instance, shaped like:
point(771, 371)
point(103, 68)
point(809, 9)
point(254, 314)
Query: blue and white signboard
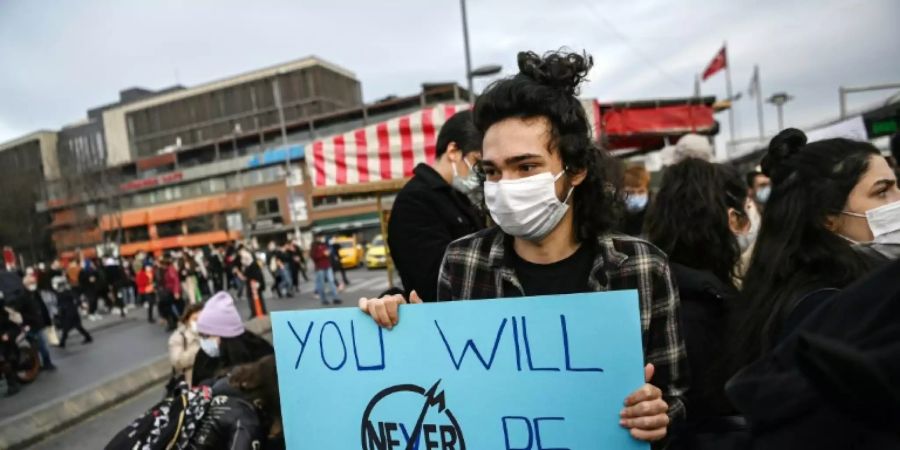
point(511, 374)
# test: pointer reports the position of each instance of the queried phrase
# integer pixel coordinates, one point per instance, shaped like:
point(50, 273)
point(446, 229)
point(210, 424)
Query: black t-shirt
point(568, 276)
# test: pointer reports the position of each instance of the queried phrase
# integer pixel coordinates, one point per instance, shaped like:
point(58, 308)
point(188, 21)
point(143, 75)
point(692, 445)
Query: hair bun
point(782, 147)
point(559, 69)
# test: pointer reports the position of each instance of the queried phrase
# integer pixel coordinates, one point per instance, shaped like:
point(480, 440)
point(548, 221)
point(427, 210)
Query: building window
point(267, 207)
point(137, 234)
point(200, 224)
point(169, 229)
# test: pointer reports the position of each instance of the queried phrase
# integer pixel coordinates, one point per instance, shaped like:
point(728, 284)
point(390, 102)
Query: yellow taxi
point(376, 255)
point(350, 251)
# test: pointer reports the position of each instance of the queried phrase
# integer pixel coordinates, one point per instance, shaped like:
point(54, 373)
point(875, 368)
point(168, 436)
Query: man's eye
point(527, 167)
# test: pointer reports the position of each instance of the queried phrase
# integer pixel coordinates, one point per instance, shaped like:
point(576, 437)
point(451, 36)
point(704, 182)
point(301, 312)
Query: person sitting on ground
point(245, 413)
point(223, 340)
point(184, 343)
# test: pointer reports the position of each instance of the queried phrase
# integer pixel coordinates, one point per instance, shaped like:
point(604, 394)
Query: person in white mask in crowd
point(437, 206)
point(556, 197)
point(704, 221)
point(184, 343)
point(833, 216)
point(224, 342)
point(760, 188)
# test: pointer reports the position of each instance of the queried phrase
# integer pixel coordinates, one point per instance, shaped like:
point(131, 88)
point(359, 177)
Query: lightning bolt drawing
point(432, 398)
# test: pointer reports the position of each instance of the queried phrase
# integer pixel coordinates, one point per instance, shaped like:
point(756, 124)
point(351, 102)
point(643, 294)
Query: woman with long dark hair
point(814, 234)
point(703, 220)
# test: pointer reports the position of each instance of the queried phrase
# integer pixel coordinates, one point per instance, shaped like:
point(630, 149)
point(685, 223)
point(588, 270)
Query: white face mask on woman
point(528, 207)
point(210, 347)
point(884, 222)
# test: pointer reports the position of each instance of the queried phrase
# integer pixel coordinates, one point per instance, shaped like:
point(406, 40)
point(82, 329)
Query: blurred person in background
point(434, 208)
point(171, 304)
point(69, 317)
point(89, 282)
point(832, 215)
point(255, 281)
point(700, 219)
point(637, 200)
point(320, 253)
point(146, 287)
point(760, 187)
point(35, 317)
point(184, 343)
point(336, 265)
point(224, 342)
point(217, 268)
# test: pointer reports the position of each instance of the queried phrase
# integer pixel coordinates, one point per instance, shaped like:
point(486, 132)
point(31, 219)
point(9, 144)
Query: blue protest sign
point(539, 373)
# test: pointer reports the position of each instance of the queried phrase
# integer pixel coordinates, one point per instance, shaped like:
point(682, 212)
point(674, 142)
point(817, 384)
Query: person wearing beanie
point(224, 342)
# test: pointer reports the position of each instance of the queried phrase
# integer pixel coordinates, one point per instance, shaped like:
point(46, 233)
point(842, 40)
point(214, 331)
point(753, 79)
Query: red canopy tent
point(634, 127)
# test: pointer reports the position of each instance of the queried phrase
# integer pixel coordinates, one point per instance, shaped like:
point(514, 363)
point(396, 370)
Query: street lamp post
point(462, 5)
point(276, 91)
point(779, 99)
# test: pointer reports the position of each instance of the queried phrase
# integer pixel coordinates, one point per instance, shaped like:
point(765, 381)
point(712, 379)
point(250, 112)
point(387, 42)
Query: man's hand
point(645, 411)
point(384, 310)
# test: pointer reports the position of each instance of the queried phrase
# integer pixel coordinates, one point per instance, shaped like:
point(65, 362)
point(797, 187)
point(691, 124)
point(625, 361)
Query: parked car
point(350, 252)
point(376, 254)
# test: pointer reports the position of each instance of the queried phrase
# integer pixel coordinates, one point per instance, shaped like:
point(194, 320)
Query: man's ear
point(453, 153)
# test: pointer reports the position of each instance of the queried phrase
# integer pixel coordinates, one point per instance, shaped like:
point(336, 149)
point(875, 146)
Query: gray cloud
point(60, 58)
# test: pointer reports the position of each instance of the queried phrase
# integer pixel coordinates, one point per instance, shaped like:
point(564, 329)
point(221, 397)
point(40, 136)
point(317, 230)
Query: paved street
point(121, 345)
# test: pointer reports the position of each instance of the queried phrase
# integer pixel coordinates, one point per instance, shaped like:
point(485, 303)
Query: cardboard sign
point(511, 374)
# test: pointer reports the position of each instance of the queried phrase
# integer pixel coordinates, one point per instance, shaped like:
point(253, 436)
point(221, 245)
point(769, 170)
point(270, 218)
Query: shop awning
point(646, 125)
point(377, 153)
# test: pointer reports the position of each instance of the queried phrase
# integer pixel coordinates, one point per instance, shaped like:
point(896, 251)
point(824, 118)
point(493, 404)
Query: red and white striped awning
point(384, 151)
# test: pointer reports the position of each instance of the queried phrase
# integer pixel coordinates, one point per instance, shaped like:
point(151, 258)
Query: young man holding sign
point(554, 197)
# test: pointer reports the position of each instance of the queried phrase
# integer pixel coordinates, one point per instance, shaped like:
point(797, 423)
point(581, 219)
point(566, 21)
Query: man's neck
point(443, 169)
point(560, 244)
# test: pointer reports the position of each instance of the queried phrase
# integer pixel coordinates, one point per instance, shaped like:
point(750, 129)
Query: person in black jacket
point(69, 317)
point(245, 413)
point(434, 208)
point(701, 219)
point(35, 317)
point(832, 382)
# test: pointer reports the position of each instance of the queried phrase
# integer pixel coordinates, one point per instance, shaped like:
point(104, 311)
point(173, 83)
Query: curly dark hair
point(689, 218)
point(795, 252)
point(546, 87)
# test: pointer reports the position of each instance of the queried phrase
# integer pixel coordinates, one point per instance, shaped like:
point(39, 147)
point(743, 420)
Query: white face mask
point(884, 222)
point(528, 207)
point(465, 184)
point(210, 347)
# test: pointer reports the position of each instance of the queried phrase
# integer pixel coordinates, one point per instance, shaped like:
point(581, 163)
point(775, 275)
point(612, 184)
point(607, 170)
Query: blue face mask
point(762, 195)
point(636, 202)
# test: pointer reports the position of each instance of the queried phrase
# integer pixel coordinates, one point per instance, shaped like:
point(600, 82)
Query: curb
point(31, 426)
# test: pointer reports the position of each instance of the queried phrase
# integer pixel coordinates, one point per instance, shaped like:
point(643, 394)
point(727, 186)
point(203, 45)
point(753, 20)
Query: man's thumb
point(414, 297)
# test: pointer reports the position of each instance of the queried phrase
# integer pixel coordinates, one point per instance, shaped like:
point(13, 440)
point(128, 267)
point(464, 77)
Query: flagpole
point(759, 103)
point(730, 97)
point(697, 85)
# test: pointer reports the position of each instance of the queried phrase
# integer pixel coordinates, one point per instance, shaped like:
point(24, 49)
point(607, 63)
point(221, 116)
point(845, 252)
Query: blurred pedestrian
point(320, 253)
point(184, 343)
point(69, 317)
point(146, 286)
point(256, 284)
point(35, 318)
point(336, 264)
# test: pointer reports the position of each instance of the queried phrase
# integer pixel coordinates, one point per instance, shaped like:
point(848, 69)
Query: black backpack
point(170, 424)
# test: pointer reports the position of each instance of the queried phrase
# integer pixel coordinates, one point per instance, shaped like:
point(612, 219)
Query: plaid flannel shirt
point(478, 266)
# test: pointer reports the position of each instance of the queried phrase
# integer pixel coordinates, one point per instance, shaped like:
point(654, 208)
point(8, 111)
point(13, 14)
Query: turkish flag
point(718, 63)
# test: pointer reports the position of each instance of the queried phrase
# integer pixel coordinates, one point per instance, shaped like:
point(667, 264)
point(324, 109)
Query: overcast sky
point(57, 59)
